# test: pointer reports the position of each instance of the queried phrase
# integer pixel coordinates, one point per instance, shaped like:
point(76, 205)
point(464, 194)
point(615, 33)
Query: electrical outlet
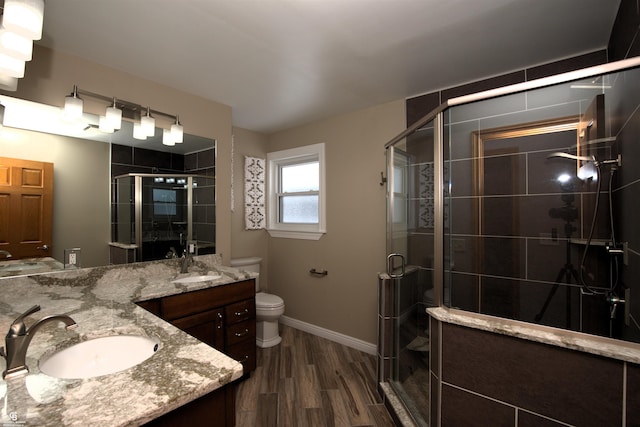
point(72, 258)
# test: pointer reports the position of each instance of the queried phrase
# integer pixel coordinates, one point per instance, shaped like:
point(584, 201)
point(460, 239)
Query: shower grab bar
point(390, 268)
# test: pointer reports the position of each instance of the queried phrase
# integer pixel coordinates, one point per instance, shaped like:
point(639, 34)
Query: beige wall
point(50, 76)
point(353, 250)
point(80, 189)
point(247, 243)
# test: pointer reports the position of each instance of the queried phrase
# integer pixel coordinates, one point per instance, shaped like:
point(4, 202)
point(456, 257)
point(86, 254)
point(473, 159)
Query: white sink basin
point(196, 279)
point(99, 356)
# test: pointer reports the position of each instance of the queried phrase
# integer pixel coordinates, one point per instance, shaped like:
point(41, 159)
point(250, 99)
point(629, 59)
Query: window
point(164, 202)
point(296, 193)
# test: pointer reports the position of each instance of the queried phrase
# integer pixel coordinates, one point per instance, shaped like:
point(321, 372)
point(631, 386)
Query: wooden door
point(26, 208)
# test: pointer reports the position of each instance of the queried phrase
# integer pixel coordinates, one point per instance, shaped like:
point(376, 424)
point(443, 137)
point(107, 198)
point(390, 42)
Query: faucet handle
point(18, 327)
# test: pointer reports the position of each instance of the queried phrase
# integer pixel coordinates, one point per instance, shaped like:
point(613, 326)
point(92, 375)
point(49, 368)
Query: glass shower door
point(410, 228)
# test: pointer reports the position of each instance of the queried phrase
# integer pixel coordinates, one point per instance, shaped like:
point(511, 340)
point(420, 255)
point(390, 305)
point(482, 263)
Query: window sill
point(303, 235)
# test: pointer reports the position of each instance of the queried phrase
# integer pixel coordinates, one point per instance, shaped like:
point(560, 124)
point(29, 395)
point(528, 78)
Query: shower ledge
point(601, 346)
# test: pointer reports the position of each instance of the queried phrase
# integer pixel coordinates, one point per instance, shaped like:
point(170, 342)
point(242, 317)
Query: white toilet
point(269, 307)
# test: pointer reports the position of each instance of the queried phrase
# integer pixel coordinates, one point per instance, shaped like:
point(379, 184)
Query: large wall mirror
point(84, 202)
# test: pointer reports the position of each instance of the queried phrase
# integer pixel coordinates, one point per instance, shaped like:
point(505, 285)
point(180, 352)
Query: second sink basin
point(195, 279)
point(99, 356)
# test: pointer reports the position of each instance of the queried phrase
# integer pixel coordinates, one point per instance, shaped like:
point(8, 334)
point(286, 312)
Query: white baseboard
point(360, 345)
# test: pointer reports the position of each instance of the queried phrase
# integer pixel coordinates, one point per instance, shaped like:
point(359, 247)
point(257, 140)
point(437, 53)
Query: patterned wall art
point(254, 193)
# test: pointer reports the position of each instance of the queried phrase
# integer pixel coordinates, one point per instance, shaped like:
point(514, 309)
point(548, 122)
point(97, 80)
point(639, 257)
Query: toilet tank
point(251, 264)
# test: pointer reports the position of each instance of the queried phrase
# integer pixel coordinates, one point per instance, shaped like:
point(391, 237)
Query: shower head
point(572, 157)
point(588, 170)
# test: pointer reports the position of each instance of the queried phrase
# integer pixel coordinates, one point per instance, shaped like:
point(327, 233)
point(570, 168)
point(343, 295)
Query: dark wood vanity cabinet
point(223, 317)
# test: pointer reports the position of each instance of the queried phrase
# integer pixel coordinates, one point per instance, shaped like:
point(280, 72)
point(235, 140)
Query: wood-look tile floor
point(310, 381)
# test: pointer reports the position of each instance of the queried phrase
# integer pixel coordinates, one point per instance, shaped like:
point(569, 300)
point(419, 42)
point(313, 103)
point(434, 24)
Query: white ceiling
point(282, 63)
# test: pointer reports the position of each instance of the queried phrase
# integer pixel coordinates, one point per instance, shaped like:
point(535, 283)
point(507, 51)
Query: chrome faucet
point(186, 259)
point(18, 339)
point(6, 254)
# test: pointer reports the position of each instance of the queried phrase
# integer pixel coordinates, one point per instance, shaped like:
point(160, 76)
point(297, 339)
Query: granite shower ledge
point(101, 300)
point(601, 346)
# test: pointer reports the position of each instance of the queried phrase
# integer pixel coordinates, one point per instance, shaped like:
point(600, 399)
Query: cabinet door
point(208, 327)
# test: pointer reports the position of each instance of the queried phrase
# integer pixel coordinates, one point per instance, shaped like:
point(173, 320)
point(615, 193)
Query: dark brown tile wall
point(624, 41)
point(564, 385)
point(526, 419)
point(461, 408)
point(633, 395)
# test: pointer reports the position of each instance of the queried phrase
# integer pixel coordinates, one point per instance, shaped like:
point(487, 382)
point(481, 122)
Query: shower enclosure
point(519, 203)
point(157, 215)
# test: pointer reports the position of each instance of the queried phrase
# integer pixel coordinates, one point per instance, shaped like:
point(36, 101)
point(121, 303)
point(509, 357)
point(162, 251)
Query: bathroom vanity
point(185, 381)
point(223, 317)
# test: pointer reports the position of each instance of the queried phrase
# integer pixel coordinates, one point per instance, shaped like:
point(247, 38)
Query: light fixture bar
point(117, 108)
point(122, 103)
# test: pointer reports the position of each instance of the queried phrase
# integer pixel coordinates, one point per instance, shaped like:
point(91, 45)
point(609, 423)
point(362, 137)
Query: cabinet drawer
point(239, 332)
point(244, 353)
point(240, 311)
point(193, 302)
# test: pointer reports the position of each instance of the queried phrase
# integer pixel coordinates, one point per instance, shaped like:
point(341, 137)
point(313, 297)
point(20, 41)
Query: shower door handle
point(390, 268)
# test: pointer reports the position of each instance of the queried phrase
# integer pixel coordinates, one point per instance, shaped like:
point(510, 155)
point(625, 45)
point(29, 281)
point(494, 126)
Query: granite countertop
point(102, 302)
point(601, 346)
point(20, 267)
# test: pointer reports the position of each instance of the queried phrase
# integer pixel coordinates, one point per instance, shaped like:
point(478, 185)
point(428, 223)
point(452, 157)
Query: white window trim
point(295, 231)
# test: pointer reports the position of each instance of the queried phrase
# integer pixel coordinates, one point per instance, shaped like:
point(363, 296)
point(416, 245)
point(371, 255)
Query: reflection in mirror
point(84, 162)
point(159, 216)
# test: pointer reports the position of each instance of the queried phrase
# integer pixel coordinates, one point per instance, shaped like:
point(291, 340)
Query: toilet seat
point(268, 301)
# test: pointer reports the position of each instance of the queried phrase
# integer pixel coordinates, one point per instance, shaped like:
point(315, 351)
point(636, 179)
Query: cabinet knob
point(241, 334)
point(242, 313)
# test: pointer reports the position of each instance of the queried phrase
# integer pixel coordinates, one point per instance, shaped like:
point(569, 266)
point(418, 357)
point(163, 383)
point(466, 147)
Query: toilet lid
point(268, 300)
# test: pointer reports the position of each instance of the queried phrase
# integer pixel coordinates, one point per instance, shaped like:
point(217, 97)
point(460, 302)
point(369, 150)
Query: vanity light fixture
point(15, 45)
point(114, 116)
point(167, 138)
point(24, 17)
point(73, 105)
point(10, 66)
point(148, 123)
point(138, 133)
point(104, 125)
point(177, 132)
point(8, 83)
point(21, 25)
point(144, 118)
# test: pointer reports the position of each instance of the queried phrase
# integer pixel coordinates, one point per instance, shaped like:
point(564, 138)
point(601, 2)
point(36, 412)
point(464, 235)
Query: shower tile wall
point(493, 379)
point(522, 244)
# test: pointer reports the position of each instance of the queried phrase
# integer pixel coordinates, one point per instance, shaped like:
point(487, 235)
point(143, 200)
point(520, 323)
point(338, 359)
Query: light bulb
point(15, 45)
point(104, 125)
point(138, 133)
point(73, 105)
point(24, 17)
point(167, 138)
point(8, 83)
point(148, 124)
point(11, 66)
point(114, 116)
point(177, 132)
